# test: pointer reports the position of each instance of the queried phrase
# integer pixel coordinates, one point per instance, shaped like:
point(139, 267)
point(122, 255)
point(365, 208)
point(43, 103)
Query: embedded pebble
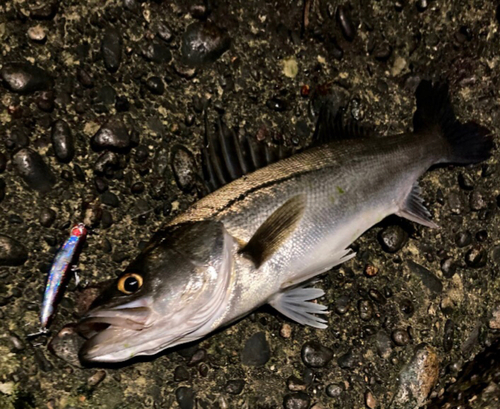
point(417, 378)
point(96, 378)
point(463, 238)
point(370, 400)
point(185, 397)
point(2, 190)
point(157, 52)
point(256, 351)
point(476, 257)
point(12, 252)
point(184, 168)
point(477, 201)
point(365, 308)
point(203, 42)
point(62, 141)
point(295, 384)
point(334, 390)
point(23, 77)
point(155, 85)
point(384, 344)
point(47, 217)
point(449, 335)
point(448, 267)
point(111, 49)
point(342, 304)
point(400, 337)
point(286, 331)
point(428, 278)
point(34, 171)
point(297, 400)
point(66, 344)
point(494, 321)
point(315, 355)
point(345, 22)
point(3, 162)
point(105, 162)
point(113, 136)
point(45, 11)
point(181, 374)
point(37, 33)
point(347, 361)
point(235, 386)
point(393, 238)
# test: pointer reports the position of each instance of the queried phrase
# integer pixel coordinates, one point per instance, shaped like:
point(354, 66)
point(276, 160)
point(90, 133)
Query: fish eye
point(129, 283)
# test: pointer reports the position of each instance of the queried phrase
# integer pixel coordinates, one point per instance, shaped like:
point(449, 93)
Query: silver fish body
point(259, 238)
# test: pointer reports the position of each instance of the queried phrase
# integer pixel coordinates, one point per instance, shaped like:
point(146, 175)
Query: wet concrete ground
point(97, 97)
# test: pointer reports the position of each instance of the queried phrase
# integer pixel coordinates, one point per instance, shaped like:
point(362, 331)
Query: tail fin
point(467, 143)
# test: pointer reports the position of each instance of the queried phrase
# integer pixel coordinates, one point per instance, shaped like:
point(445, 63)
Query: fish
point(59, 274)
point(271, 225)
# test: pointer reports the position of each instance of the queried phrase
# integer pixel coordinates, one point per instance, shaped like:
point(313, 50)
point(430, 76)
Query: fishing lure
point(59, 273)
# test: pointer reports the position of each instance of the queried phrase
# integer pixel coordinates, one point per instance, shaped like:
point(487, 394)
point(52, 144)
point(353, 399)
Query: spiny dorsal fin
point(331, 126)
point(275, 230)
point(227, 156)
point(413, 208)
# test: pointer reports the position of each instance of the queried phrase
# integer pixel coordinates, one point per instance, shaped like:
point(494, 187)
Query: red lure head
point(79, 230)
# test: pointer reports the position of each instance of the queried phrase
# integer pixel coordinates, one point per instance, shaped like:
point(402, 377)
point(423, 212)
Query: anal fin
point(413, 209)
point(296, 305)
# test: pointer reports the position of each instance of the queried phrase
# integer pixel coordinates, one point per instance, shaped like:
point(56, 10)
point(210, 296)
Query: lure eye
point(129, 283)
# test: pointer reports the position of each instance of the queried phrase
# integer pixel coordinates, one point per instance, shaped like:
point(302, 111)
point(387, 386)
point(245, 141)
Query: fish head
point(175, 292)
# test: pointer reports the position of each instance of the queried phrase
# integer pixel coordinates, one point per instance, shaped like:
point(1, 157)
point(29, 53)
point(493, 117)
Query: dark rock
point(334, 390)
point(342, 304)
point(393, 238)
point(449, 335)
point(382, 51)
point(155, 85)
point(256, 351)
point(400, 337)
point(46, 101)
point(12, 252)
point(347, 361)
point(113, 136)
point(315, 355)
point(422, 5)
point(345, 22)
point(365, 308)
point(46, 11)
point(298, 400)
point(184, 168)
point(34, 171)
point(185, 397)
point(463, 238)
point(448, 267)
point(137, 188)
point(110, 199)
point(164, 32)
point(295, 384)
point(384, 344)
point(3, 162)
point(235, 386)
point(62, 141)
point(377, 296)
point(477, 202)
point(428, 278)
point(47, 217)
point(465, 181)
point(203, 43)
point(476, 257)
point(101, 184)
point(111, 49)
point(199, 356)
point(25, 78)
point(2, 190)
point(84, 78)
point(157, 52)
point(106, 161)
point(181, 374)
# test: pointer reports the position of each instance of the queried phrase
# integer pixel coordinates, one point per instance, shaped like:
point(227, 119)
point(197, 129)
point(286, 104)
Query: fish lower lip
point(97, 321)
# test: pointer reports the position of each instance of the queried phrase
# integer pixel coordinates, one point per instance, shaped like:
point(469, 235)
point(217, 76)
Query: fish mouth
point(112, 331)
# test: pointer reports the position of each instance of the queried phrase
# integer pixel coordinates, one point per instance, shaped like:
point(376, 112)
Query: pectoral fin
point(413, 209)
point(275, 230)
point(296, 305)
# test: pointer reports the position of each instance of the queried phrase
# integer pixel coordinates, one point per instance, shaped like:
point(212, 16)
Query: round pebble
point(33, 170)
point(393, 238)
point(334, 390)
point(365, 308)
point(345, 22)
point(111, 49)
point(298, 400)
point(203, 42)
point(315, 355)
point(185, 397)
point(62, 141)
point(23, 77)
point(449, 335)
point(184, 168)
point(256, 351)
point(37, 33)
point(476, 257)
point(47, 217)
point(113, 136)
point(400, 337)
point(155, 85)
point(235, 386)
point(12, 252)
point(181, 374)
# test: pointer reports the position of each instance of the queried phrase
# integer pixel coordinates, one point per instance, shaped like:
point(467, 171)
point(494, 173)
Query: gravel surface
point(101, 121)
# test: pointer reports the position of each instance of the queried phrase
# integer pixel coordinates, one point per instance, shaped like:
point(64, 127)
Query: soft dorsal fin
point(275, 230)
point(331, 126)
point(413, 208)
point(227, 156)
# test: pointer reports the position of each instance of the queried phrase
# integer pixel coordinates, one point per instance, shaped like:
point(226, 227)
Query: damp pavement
point(102, 108)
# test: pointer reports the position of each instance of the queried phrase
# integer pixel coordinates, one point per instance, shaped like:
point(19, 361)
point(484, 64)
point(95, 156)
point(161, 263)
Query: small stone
point(384, 344)
point(155, 85)
point(393, 238)
point(105, 162)
point(449, 335)
point(203, 42)
point(342, 304)
point(111, 49)
point(477, 201)
point(235, 386)
point(448, 267)
point(295, 384)
point(256, 351)
point(429, 279)
point(185, 397)
point(199, 356)
point(465, 181)
point(345, 22)
point(422, 5)
point(370, 400)
point(334, 390)
point(37, 33)
point(377, 296)
point(370, 270)
point(347, 361)
point(85, 78)
point(113, 136)
point(62, 141)
point(110, 199)
point(23, 77)
point(276, 104)
point(400, 337)
point(2, 190)
point(46, 11)
point(184, 168)
point(455, 202)
point(382, 51)
point(137, 188)
point(494, 321)
point(16, 344)
point(46, 101)
point(315, 355)
point(365, 308)
point(66, 344)
point(33, 170)
point(417, 378)
point(476, 257)
point(298, 400)
point(164, 32)
point(181, 374)
point(157, 52)
point(286, 331)
point(463, 239)
point(3, 162)
point(47, 217)
point(12, 252)
point(96, 378)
